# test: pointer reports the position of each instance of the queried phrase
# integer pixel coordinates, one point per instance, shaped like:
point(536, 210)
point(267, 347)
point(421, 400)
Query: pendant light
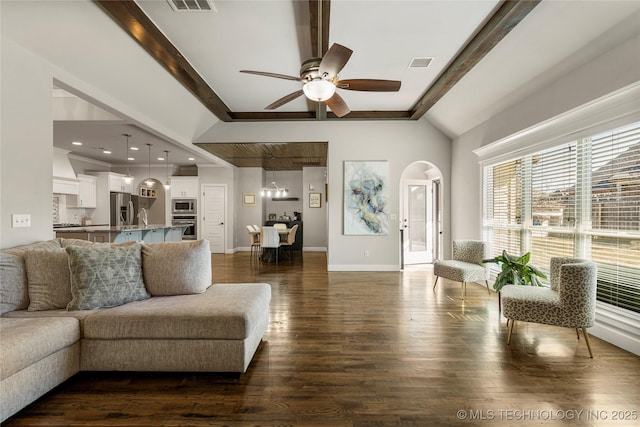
point(128, 179)
point(273, 188)
point(167, 185)
point(149, 181)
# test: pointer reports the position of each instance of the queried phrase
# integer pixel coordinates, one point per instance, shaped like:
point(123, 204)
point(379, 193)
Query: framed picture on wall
point(366, 195)
point(248, 199)
point(315, 200)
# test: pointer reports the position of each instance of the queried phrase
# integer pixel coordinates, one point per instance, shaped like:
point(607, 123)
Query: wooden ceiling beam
point(505, 19)
point(137, 24)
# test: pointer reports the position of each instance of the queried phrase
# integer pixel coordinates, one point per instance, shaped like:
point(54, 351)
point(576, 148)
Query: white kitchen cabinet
point(184, 187)
point(86, 197)
point(65, 186)
point(117, 184)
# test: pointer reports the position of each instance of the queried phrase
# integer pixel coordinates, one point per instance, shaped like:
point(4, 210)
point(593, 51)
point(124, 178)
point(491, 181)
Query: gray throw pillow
point(177, 268)
point(48, 277)
point(104, 276)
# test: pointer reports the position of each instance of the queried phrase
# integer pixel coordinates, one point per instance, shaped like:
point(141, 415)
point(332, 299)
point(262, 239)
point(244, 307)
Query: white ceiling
point(273, 36)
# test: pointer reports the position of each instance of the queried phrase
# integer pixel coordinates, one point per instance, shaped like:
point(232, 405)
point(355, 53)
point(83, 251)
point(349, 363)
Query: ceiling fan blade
point(334, 61)
point(370, 85)
point(288, 98)
point(277, 76)
point(337, 105)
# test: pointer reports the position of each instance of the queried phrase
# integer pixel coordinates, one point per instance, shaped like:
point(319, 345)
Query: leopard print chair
point(569, 302)
point(466, 265)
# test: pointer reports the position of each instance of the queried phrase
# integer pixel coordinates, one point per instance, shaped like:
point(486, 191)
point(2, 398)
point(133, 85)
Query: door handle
point(222, 223)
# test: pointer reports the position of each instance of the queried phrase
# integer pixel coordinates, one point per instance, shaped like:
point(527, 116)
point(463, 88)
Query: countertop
point(115, 229)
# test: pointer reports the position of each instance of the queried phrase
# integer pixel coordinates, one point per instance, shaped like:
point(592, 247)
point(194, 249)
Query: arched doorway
point(421, 207)
point(153, 200)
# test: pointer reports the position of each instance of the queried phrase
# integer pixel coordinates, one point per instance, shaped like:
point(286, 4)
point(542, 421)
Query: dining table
point(282, 232)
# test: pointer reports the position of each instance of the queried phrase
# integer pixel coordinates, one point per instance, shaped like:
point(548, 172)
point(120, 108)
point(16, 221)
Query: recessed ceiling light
point(135, 148)
point(160, 158)
point(131, 158)
point(191, 158)
point(106, 151)
point(76, 143)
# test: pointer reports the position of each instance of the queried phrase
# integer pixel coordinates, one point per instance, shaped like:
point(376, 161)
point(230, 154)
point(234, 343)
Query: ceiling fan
point(320, 78)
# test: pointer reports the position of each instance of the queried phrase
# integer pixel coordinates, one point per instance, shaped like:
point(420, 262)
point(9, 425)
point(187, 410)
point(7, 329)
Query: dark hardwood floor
point(368, 349)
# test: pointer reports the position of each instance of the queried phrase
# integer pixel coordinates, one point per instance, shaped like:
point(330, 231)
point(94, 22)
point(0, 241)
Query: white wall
point(104, 64)
point(614, 69)
point(250, 181)
point(314, 219)
point(399, 142)
point(26, 150)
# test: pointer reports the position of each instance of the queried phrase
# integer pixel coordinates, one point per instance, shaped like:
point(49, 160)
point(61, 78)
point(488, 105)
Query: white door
point(213, 216)
point(417, 249)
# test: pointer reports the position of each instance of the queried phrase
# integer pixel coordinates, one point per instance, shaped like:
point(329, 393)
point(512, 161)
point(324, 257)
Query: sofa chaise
point(60, 314)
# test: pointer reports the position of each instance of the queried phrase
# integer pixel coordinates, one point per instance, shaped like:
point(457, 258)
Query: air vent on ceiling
point(192, 5)
point(420, 62)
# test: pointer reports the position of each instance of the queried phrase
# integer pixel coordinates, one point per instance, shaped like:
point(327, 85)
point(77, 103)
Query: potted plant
point(516, 271)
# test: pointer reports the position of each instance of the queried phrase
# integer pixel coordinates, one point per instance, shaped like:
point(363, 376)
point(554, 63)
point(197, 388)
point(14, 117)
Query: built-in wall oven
point(183, 212)
point(190, 222)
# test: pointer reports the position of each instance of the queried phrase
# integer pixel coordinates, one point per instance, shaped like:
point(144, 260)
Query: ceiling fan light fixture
point(319, 90)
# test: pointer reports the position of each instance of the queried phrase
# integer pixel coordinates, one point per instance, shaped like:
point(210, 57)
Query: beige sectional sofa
point(177, 320)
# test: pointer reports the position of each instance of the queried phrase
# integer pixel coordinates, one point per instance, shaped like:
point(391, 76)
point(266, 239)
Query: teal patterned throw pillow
point(105, 276)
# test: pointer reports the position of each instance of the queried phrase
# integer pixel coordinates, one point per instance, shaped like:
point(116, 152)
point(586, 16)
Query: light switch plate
point(20, 220)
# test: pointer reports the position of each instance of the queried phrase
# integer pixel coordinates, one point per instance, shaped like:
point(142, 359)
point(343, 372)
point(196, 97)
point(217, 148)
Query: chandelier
point(273, 189)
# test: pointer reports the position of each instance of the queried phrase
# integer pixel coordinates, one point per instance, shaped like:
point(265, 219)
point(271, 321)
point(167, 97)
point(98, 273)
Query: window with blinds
point(579, 199)
point(615, 215)
point(503, 206)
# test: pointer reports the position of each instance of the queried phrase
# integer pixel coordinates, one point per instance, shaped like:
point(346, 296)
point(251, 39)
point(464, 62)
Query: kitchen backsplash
point(62, 214)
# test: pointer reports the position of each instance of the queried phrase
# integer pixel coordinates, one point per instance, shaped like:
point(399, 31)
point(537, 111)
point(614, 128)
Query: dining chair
point(271, 240)
point(290, 239)
point(280, 225)
point(254, 240)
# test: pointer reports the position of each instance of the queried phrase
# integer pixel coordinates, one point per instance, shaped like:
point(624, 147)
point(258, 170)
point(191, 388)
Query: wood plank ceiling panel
point(270, 156)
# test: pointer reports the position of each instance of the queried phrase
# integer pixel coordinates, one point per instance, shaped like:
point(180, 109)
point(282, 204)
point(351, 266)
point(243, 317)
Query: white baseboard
point(363, 268)
point(618, 327)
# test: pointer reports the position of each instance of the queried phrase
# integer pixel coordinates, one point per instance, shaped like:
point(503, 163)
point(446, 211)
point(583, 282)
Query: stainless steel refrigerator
point(124, 208)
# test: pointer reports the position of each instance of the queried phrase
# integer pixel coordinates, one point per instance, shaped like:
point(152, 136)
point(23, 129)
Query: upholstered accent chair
point(569, 302)
point(466, 265)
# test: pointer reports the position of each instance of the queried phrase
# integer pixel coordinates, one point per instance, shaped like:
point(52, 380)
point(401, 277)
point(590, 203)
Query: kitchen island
point(152, 233)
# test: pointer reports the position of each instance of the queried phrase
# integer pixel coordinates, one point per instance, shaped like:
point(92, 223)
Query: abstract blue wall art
point(366, 194)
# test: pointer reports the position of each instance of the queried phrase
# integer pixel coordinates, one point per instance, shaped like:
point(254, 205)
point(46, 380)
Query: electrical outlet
point(366, 253)
point(20, 220)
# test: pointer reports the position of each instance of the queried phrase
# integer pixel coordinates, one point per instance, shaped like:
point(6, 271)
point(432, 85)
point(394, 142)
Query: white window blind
point(503, 206)
point(553, 203)
point(615, 215)
point(578, 199)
